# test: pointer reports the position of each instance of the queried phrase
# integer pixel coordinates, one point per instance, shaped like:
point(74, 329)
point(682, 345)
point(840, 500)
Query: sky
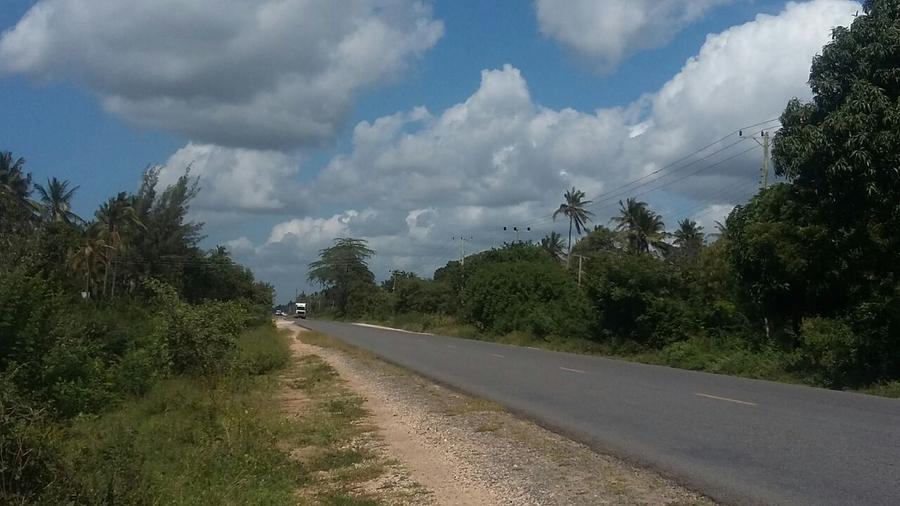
point(406, 123)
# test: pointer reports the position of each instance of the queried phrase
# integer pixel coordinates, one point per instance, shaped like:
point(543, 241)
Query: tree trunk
point(112, 291)
point(569, 253)
point(105, 276)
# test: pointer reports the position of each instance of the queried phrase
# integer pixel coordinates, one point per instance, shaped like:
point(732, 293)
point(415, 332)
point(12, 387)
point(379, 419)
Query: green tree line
point(96, 311)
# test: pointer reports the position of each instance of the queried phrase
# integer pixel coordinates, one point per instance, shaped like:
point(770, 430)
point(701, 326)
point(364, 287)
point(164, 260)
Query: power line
point(621, 189)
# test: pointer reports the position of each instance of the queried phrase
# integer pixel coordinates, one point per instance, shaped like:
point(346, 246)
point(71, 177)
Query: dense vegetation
point(799, 283)
point(114, 333)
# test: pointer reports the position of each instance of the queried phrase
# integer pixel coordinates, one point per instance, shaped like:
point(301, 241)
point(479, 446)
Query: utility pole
point(580, 259)
point(462, 248)
point(767, 148)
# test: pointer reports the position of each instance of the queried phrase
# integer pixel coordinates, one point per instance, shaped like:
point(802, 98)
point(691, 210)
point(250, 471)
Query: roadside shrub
point(197, 341)
point(726, 355)
point(830, 352)
point(640, 299)
point(29, 457)
point(28, 310)
point(538, 297)
point(76, 377)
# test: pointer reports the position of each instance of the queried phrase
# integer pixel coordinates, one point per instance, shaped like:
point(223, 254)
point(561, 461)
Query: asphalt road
point(739, 441)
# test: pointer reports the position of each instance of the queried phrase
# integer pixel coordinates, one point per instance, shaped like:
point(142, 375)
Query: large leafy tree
point(343, 270)
point(56, 201)
point(644, 228)
point(841, 151)
point(574, 207)
point(169, 240)
point(780, 253)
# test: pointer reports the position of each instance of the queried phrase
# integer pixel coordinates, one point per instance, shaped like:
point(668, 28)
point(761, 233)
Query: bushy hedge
point(535, 296)
point(61, 357)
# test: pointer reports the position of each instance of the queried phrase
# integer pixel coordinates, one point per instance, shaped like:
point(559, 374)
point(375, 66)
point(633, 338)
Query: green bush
point(727, 355)
point(538, 297)
point(29, 457)
point(830, 352)
point(28, 315)
point(639, 298)
point(199, 340)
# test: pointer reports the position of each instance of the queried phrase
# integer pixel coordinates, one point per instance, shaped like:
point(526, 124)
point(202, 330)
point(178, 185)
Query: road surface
point(739, 441)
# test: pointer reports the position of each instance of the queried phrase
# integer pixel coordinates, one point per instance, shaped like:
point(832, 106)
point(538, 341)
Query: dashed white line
point(497, 355)
point(579, 371)
point(451, 346)
point(716, 397)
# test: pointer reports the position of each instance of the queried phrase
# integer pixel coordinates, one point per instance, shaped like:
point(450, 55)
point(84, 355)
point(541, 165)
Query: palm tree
point(574, 208)
point(722, 230)
point(14, 182)
point(689, 237)
point(553, 245)
point(645, 228)
point(87, 259)
point(116, 218)
point(56, 199)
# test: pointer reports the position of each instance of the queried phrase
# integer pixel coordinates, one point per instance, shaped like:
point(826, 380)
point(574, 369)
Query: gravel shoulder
point(468, 451)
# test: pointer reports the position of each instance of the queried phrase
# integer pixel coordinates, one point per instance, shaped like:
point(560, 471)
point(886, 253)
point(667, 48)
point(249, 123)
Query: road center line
point(573, 370)
point(498, 355)
point(716, 397)
point(451, 346)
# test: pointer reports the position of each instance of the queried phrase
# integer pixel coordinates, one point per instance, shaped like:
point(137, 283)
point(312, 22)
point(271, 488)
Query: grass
point(889, 389)
point(193, 441)
point(226, 440)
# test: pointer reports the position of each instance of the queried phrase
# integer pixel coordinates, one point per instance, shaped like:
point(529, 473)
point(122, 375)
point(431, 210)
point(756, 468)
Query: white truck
point(300, 310)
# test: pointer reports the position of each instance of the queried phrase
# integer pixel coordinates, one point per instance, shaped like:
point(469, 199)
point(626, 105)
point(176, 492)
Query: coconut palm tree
point(689, 237)
point(56, 201)
point(721, 230)
point(644, 228)
point(116, 219)
point(553, 245)
point(15, 184)
point(573, 207)
point(87, 260)
point(13, 180)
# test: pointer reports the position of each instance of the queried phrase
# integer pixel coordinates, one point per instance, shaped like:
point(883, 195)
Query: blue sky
point(57, 99)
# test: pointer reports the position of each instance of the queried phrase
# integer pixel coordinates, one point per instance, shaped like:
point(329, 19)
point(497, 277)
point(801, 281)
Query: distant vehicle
point(300, 311)
point(279, 312)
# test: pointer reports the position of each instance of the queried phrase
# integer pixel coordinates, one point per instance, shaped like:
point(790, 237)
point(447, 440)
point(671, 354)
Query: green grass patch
point(193, 441)
point(889, 389)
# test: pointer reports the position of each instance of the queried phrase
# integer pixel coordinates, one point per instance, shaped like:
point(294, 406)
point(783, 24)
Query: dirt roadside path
point(467, 451)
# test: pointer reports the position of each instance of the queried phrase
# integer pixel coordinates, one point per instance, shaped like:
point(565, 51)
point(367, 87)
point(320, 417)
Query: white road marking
point(573, 370)
point(451, 346)
point(498, 355)
point(381, 327)
point(716, 397)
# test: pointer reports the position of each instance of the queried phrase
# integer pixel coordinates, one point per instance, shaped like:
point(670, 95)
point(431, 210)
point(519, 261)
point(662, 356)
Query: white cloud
point(271, 74)
point(499, 159)
point(607, 31)
point(237, 179)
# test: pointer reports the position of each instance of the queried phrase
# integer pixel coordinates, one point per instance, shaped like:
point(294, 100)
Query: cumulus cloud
point(265, 74)
point(500, 159)
point(237, 179)
point(606, 32)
